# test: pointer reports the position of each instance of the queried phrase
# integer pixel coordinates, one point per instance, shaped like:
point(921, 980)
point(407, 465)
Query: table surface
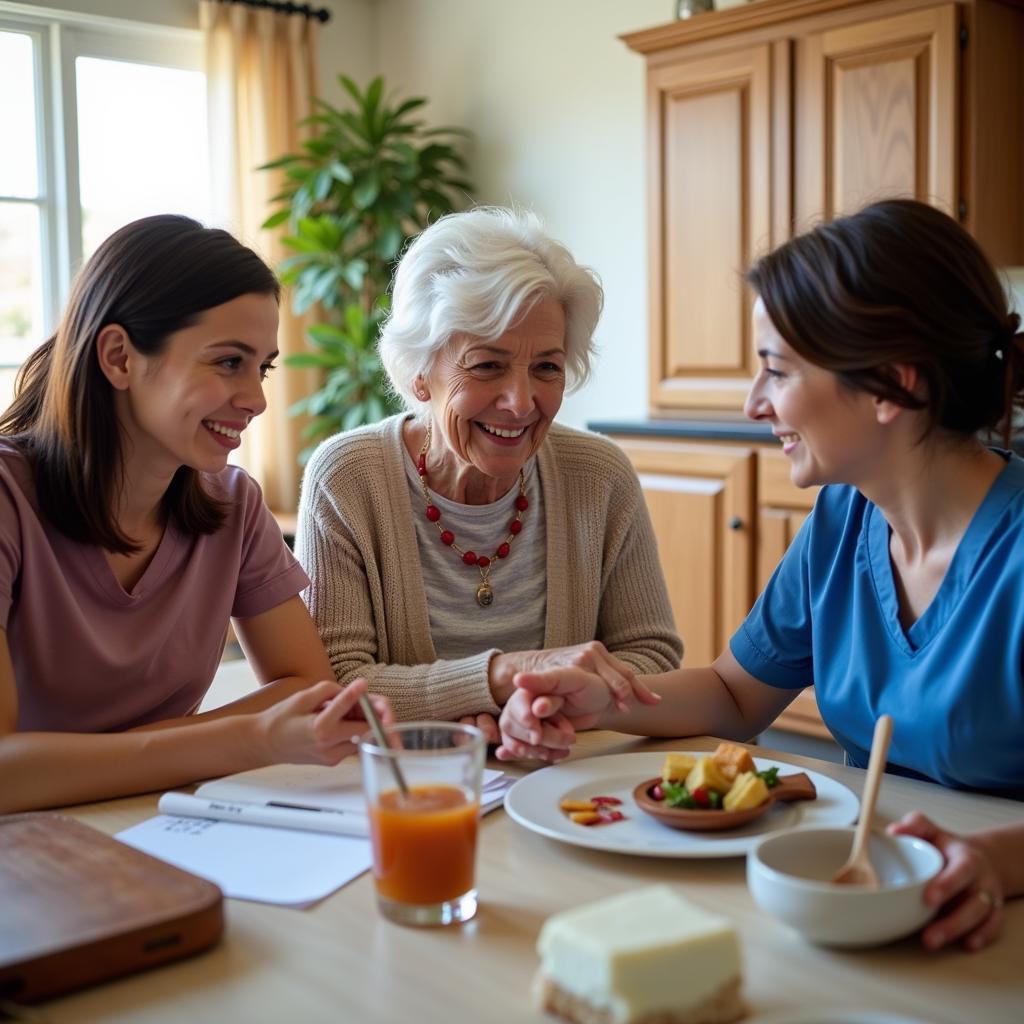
point(340, 961)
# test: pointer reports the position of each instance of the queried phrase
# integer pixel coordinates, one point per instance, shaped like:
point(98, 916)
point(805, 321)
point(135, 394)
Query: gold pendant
point(484, 595)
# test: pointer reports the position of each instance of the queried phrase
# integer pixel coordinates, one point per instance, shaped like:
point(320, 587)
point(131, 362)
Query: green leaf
point(308, 360)
point(355, 320)
point(355, 416)
point(276, 218)
point(281, 161)
point(351, 88)
point(328, 337)
point(365, 192)
point(341, 172)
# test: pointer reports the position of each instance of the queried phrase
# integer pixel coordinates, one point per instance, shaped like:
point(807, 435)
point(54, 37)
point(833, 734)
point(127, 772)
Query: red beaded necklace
point(484, 593)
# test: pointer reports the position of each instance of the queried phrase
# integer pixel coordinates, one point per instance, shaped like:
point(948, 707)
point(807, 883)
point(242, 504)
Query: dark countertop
point(741, 431)
point(736, 430)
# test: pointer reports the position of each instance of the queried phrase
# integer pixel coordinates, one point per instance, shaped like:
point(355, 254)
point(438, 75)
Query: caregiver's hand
point(527, 735)
point(592, 658)
point(571, 698)
point(317, 725)
point(968, 889)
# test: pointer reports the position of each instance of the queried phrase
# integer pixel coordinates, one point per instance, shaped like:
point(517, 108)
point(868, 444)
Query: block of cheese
point(648, 956)
point(677, 767)
point(733, 759)
point(749, 790)
point(707, 774)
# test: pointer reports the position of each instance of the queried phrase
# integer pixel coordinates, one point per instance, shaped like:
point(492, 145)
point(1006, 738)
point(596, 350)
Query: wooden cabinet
point(765, 118)
point(701, 500)
point(719, 195)
point(877, 113)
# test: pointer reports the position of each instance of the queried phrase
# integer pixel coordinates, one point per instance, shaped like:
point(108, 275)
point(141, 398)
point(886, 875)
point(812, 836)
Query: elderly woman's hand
point(487, 724)
point(968, 888)
point(621, 683)
point(524, 734)
point(567, 699)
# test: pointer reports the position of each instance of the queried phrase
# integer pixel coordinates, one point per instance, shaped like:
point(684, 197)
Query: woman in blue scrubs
point(886, 347)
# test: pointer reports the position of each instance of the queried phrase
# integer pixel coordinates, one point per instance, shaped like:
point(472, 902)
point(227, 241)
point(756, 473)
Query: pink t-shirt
point(89, 657)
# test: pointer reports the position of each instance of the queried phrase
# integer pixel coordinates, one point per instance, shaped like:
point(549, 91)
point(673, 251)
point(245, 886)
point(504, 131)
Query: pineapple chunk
point(749, 790)
point(706, 773)
point(677, 767)
point(733, 759)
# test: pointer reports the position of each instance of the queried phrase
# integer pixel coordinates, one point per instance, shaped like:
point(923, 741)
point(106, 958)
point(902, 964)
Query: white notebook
point(274, 864)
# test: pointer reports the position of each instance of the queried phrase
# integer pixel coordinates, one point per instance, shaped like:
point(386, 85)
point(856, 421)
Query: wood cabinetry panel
point(701, 501)
point(711, 168)
point(704, 305)
point(878, 110)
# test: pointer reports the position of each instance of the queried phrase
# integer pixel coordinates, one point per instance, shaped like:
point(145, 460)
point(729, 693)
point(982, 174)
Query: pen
point(277, 814)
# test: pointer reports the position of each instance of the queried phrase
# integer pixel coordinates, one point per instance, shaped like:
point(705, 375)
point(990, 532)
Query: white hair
point(478, 272)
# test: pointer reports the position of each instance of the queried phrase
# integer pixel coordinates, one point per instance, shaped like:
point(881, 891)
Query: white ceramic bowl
point(788, 875)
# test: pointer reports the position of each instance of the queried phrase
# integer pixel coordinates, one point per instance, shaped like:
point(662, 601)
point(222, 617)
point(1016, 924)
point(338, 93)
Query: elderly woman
point(470, 538)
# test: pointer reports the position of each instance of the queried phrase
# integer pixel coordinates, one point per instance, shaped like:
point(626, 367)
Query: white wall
point(556, 106)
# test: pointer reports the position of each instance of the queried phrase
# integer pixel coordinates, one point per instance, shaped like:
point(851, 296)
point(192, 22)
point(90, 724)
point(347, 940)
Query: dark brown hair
point(154, 276)
point(901, 282)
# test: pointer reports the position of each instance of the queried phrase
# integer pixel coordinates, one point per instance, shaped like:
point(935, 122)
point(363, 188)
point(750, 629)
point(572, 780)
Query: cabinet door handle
point(735, 523)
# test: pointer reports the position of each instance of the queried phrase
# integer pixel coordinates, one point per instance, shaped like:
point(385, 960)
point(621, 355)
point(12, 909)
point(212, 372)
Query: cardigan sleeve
point(356, 604)
point(635, 618)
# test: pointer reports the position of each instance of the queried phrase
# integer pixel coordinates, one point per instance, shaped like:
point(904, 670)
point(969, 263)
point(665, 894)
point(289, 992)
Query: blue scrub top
point(953, 682)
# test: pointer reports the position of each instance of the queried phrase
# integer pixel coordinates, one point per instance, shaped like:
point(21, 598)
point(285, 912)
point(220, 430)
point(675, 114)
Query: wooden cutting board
point(78, 907)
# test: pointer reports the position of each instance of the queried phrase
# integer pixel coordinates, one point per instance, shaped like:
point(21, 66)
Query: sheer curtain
point(261, 77)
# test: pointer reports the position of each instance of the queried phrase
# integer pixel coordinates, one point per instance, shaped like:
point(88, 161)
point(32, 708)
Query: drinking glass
point(424, 838)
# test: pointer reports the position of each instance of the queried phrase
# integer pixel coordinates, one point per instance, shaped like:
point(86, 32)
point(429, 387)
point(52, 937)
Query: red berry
point(447, 537)
point(433, 513)
point(657, 793)
point(469, 558)
point(701, 797)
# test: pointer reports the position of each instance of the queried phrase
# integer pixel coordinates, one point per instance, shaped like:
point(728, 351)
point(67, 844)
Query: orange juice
point(424, 845)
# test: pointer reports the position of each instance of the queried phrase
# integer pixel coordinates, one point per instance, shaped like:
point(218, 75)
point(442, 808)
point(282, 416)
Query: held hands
point(541, 718)
point(968, 888)
point(317, 725)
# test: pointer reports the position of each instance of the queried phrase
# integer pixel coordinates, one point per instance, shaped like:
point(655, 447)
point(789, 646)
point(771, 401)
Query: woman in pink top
point(127, 542)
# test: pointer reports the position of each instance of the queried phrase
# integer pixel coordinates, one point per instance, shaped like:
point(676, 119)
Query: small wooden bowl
point(788, 789)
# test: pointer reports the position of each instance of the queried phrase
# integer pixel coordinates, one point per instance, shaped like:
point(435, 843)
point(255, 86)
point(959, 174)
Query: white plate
point(534, 802)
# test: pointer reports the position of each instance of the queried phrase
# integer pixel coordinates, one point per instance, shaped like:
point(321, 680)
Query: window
point(109, 125)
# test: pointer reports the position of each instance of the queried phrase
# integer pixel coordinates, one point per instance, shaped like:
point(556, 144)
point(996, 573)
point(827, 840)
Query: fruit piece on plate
point(749, 790)
point(733, 759)
point(677, 767)
point(707, 774)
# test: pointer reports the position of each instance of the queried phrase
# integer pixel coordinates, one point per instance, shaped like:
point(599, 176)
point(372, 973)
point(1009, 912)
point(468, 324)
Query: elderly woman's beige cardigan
point(357, 541)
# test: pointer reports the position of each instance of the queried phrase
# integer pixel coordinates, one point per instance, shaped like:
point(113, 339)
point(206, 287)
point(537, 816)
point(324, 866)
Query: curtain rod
point(322, 14)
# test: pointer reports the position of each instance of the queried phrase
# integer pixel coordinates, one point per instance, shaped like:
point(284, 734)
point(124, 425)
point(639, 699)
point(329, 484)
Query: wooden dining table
point(340, 960)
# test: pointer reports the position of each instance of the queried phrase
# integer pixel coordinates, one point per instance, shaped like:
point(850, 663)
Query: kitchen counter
point(741, 431)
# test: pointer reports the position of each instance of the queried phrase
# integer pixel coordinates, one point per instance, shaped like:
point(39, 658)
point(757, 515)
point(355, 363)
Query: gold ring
point(987, 898)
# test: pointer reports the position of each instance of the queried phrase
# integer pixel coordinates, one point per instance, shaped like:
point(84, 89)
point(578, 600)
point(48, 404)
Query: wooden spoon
point(858, 869)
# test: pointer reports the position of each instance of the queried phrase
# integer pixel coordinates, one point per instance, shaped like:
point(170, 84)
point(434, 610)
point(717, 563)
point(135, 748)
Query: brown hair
point(154, 276)
point(901, 282)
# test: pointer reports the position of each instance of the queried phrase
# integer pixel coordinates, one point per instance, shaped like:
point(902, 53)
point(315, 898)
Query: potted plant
point(367, 179)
